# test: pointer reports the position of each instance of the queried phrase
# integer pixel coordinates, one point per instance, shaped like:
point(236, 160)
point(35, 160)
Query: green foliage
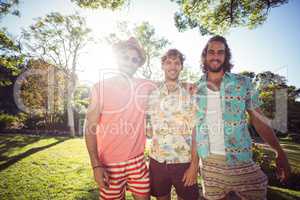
point(81, 98)
point(251, 75)
point(94, 4)
point(153, 44)
point(42, 93)
point(265, 161)
point(9, 7)
point(189, 75)
point(6, 43)
point(268, 85)
point(217, 17)
point(10, 58)
point(265, 158)
point(7, 120)
point(57, 39)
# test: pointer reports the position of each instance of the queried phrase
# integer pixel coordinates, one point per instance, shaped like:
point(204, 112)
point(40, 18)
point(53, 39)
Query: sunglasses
point(134, 60)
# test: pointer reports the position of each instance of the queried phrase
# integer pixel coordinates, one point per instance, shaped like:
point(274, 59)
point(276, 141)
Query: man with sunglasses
point(114, 129)
point(170, 122)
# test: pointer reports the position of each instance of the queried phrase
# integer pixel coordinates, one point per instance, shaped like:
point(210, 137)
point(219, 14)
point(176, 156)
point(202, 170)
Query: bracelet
point(97, 166)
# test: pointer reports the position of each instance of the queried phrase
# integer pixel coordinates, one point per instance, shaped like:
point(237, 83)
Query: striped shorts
point(246, 180)
point(132, 175)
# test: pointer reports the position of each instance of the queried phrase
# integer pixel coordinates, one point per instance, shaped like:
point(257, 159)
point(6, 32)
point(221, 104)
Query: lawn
point(41, 167)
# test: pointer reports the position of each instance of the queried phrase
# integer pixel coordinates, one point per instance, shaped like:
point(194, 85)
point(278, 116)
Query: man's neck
point(214, 79)
point(171, 85)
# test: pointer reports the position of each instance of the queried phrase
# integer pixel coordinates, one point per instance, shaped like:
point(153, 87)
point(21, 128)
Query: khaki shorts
point(246, 180)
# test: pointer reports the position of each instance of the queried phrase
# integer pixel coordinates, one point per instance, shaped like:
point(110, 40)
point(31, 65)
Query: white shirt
point(215, 122)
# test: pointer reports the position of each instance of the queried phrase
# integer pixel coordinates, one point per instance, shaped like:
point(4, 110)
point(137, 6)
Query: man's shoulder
point(240, 78)
point(158, 85)
point(105, 82)
point(191, 88)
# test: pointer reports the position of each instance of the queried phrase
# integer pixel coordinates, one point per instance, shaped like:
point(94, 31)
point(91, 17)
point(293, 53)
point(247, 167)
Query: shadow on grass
point(93, 194)
point(19, 141)
point(279, 195)
point(11, 141)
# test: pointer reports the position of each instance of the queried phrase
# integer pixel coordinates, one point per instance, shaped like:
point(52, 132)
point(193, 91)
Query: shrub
point(7, 121)
point(266, 160)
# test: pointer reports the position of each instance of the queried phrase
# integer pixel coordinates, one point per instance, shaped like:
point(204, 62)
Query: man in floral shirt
point(170, 121)
point(223, 141)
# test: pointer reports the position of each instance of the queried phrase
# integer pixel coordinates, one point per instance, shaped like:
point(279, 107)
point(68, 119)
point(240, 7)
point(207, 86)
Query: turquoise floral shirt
point(237, 95)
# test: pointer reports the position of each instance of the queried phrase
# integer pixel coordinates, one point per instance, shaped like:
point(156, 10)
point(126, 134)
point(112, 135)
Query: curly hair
point(173, 53)
point(227, 65)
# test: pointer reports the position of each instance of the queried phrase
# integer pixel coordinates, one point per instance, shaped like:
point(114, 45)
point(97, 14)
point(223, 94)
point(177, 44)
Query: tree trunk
point(71, 89)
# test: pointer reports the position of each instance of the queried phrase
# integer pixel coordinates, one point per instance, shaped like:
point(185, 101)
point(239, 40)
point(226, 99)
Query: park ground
point(44, 167)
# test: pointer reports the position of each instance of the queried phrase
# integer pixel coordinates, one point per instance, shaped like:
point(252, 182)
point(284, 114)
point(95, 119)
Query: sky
point(274, 46)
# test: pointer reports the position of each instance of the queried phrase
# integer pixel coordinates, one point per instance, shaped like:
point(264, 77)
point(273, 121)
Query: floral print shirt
point(237, 95)
point(171, 118)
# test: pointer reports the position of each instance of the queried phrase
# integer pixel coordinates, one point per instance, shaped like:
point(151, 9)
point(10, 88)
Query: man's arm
point(263, 127)
point(90, 129)
point(195, 157)
point(190, 176)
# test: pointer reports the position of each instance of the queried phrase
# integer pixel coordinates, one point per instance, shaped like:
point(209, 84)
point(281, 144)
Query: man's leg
point(183, 193)
point(160, 180)
point(246, 180)
point(137, 176)
point(214, 181)
point(254, 185)
point(116, 189)
point(138, 197)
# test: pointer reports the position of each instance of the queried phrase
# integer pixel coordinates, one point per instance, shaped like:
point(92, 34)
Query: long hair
point(227, 66)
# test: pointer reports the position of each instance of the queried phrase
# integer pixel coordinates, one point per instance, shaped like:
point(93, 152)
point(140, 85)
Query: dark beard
point(214, 70)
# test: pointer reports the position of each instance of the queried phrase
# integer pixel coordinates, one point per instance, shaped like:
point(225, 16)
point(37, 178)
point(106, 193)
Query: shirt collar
point(227, 75)
point(164, 89)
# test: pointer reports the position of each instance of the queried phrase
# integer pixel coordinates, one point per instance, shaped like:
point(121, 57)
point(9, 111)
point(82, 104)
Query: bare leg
point(138, 197)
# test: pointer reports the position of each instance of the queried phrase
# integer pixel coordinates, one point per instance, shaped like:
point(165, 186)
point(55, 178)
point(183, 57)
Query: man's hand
point(190, 176)
point(101, 177)
point(283, 168)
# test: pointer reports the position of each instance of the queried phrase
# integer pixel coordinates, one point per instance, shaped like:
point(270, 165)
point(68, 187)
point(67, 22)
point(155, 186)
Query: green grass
point(45, 168)
point(277, 193)
point(293, 151)
point(41, 167)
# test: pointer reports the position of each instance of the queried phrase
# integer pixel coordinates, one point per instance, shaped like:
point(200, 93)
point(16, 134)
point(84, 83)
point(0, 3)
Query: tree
point(189, 75)
point(10, 58)
point(9, 7)
point(217, 17)
point(10, 52)
point(251, 75)
point(147, 37)
point(41, 94)
point(107, 4)
point(268, 85)
point(59, 40)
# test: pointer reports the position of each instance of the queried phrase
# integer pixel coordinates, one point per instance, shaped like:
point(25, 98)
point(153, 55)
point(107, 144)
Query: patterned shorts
point(132, 175)
point(246, 180)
